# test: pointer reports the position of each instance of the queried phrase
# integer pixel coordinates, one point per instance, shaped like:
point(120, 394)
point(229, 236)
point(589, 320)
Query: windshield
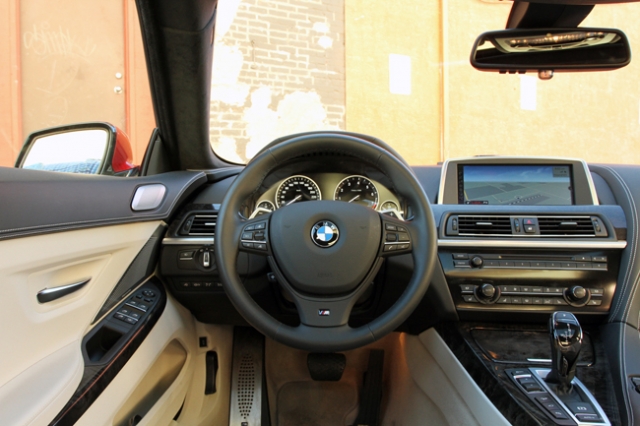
point(400, 71)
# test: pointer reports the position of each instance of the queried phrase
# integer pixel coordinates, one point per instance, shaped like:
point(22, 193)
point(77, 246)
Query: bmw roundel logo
point(325, 233)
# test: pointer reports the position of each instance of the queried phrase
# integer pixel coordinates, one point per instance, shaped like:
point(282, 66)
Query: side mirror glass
point(555, 49)
point(88, 148)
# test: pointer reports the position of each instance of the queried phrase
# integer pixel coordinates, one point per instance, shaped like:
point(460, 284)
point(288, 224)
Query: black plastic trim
point(99, 373)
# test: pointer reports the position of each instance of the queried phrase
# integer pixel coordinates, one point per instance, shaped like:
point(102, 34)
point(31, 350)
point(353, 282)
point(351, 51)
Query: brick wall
point(278, 68)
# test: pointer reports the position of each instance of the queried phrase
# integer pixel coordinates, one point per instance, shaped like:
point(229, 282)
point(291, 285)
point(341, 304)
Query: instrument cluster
point(329, 186)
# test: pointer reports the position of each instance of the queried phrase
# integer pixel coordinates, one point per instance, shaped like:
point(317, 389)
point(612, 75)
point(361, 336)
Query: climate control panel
point(531, 280)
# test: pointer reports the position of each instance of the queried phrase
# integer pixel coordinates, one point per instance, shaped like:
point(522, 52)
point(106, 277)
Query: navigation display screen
point(515, 185)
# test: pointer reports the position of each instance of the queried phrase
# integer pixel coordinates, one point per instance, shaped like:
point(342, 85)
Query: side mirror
point(554, 49)
point(89, 148)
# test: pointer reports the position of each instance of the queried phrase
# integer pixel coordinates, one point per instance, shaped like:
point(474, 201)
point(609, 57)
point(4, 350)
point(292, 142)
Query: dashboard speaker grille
point(566, 225)
point(484, 225)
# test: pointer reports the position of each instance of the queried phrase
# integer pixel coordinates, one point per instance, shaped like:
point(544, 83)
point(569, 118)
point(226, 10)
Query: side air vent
point(578, 226)
point(484, 225)
point(200, 225)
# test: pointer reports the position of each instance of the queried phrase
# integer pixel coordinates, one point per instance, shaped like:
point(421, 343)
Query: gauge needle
point(294, 200)
point(354, 198)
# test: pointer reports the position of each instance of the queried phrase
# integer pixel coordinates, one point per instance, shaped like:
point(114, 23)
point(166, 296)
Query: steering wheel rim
point(230, 226)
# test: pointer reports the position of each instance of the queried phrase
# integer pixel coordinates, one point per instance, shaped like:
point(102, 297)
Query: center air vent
point(200, 225)
point(484, 225)
point(526, 226)
point(579, 226)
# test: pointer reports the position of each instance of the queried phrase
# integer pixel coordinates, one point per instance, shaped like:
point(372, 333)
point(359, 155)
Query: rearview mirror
point(554, 49)
point(88, 148)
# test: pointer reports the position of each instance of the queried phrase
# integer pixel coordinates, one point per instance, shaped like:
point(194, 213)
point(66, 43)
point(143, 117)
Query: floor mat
point(316, 403)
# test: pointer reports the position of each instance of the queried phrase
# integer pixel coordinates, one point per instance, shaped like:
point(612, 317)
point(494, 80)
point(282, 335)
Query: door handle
point(50, 294)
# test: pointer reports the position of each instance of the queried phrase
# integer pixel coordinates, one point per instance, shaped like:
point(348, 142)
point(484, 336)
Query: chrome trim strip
point(443, 175)
point(184, 241)
point(590, 245)
point(594, 194)
point(51, 294)
point(542, 374)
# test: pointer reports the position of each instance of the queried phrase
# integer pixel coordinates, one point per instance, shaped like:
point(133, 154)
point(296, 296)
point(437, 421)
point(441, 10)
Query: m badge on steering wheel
point(325, 233)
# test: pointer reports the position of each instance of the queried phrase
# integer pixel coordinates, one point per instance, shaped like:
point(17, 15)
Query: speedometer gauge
point(357, 189)
point(296, 189)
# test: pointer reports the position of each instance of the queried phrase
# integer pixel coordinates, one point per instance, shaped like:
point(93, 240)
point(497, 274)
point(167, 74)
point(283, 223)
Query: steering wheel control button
point(325, 234)
point(397, 241)
point(254, 237)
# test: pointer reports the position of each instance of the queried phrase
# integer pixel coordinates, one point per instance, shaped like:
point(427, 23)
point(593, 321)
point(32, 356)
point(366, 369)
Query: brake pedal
point(326, 367)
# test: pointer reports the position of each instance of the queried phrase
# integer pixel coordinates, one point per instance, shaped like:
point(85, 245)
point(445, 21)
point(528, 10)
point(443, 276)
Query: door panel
point(47, 336)
point(171, 345)
point(58, 229)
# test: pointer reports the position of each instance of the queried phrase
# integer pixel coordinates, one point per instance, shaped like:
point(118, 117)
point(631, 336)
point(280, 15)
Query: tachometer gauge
point(263, 207)
point(296, 189)
point(357, 189)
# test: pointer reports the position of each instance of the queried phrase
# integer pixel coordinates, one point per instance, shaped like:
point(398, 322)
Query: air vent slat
point(570, 226)
point(484, 225)
point(203, 225)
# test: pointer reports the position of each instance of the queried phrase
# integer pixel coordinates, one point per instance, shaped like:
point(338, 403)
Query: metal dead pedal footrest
point(248, 403)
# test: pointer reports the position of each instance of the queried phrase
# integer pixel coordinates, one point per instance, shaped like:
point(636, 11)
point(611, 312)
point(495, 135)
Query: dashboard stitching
point(623, 372)
point(56, 227)
point(627, 277)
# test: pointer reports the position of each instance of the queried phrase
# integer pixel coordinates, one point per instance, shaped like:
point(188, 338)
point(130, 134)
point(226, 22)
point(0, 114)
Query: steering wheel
point(325, 253)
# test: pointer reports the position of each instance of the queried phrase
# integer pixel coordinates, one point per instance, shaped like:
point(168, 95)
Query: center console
point(524, 242)
point(527, 235)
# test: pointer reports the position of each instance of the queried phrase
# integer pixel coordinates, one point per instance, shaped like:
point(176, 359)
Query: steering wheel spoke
point(396, 237)
point(254, 236)
point(318, 312)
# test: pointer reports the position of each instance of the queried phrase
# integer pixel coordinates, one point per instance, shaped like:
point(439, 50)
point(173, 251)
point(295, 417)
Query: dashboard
point(518, 238)
point(519, 256)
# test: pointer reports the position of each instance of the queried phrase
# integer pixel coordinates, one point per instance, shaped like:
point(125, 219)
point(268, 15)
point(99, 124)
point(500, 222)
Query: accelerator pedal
point(326, 367)
point(371, 394)
point(248, 403)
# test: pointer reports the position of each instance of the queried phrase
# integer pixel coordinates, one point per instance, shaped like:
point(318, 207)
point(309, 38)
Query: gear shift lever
point(566, 342)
